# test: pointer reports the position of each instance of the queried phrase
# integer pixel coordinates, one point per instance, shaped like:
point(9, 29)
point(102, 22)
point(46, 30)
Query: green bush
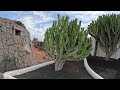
point(66, 41)
point(106, 30)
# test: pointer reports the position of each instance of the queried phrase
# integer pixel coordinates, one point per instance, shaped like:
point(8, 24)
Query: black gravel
point(106, 69)
point(71, 70)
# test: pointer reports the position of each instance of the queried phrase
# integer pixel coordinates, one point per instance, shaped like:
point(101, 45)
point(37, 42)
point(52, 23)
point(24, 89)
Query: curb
point(10, 74)
point(90, 71)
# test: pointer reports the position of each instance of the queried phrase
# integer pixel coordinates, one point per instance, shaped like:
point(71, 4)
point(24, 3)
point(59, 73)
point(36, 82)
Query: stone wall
point(15, 45)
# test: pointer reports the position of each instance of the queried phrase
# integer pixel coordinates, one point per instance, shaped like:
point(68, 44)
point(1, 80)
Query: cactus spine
point(67, 41)
point(106, 30)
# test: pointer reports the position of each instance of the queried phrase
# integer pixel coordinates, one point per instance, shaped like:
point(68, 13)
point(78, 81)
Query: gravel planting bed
point(106, 69)
point(71, 70)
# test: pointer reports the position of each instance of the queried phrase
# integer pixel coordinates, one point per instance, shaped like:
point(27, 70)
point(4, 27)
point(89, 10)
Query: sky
point(37, 22)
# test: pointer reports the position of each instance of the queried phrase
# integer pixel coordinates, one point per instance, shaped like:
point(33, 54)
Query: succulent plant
point(106, 30)
point(67, 41)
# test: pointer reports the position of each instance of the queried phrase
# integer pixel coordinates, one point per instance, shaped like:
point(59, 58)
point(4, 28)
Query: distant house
point(38, 44)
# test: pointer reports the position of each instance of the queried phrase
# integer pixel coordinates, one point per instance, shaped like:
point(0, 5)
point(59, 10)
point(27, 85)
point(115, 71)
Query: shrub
point(66, 41)
point(106, 30)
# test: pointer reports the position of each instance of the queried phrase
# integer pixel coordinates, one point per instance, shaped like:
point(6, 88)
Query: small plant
point(66, 41)
point(106, 30)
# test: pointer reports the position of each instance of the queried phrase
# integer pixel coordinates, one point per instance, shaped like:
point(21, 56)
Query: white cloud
point(37, 22)
point(31, 24)
point(44, 16)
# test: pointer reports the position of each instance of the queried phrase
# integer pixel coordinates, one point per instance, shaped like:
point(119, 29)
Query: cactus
point(106, 30)
point(66, 41)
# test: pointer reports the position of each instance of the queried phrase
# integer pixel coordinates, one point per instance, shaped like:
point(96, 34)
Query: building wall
point(14, 53)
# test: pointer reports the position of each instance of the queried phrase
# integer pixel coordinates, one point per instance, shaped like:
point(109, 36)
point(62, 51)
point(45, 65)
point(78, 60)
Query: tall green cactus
point(106, 30)
point(66, 41)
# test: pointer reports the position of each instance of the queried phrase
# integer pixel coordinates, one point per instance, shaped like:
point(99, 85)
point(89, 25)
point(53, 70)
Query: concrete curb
point(90, 71)
point(10, 74)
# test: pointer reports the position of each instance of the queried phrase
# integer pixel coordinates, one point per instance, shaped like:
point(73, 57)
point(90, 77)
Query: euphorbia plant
point(66, 41)
point(106, 30)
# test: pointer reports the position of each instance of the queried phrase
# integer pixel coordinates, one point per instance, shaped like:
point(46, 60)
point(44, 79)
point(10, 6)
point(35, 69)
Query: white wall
point(100, 53)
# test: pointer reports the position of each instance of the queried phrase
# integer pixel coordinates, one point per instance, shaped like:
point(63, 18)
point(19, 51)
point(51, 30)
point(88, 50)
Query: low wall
point(10, 74)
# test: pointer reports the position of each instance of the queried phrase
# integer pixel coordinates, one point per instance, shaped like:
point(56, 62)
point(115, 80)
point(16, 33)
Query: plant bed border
point(11, 74)
point(90, 71)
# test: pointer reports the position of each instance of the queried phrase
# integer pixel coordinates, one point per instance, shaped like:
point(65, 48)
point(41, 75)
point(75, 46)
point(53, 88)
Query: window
point(17, 32)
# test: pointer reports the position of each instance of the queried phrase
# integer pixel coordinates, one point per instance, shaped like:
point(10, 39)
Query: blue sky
point(37, 22)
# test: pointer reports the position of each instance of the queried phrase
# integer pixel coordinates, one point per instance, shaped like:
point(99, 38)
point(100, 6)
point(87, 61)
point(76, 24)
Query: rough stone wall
point(13, 39)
